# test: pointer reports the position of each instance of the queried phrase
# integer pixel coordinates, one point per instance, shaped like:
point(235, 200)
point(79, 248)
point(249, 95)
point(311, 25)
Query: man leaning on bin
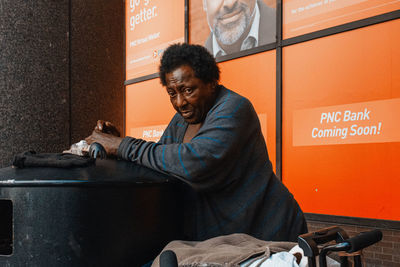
point(215, 145)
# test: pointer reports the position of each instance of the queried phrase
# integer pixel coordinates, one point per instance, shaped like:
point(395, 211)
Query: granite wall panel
point(54, 85)
point(34, 85)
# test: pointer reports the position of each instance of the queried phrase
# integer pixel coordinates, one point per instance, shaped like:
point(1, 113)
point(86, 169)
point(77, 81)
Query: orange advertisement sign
point(304, 16)
point(367, 122)
point(149, 133)
point(357, 72)
point(151, 26)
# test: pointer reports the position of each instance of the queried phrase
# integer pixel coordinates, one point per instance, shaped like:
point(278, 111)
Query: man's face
point(229, 19)
point(190, 96)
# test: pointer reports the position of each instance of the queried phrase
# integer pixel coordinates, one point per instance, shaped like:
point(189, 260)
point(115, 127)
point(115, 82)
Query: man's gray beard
point(230, 33)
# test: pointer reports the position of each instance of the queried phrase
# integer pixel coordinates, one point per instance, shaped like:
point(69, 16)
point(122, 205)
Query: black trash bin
point(114, 213)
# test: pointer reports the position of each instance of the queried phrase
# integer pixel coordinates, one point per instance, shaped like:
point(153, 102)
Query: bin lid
point(103, 173)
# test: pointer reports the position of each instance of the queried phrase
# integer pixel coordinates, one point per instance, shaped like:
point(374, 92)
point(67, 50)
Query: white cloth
point(285, 259)
point(81, 148)
point(280, 259)
point(304, 260)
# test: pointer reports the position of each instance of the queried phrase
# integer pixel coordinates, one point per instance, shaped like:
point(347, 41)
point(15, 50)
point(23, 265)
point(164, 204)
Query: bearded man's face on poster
point(229, 20)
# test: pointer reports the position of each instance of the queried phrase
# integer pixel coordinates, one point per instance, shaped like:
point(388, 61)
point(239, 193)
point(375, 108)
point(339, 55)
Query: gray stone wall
point(53, 88)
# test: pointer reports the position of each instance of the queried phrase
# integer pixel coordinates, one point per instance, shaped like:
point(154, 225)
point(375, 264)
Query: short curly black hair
point(196, 56)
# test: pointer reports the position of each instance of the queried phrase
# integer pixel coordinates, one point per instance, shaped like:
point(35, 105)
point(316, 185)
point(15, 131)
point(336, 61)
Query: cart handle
point(351, 245)
point(364, 240)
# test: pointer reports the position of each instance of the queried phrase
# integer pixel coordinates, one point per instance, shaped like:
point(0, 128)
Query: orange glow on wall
point(357, 71)
point(148, 110)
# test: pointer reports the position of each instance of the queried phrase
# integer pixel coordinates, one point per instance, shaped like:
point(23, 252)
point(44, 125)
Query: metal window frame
point(278, 46)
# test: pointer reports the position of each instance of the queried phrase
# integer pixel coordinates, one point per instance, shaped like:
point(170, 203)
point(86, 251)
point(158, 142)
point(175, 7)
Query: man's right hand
point(108, 141)
point(106, 134)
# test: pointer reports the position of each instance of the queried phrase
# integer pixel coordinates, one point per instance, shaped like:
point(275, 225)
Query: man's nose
point(228, 4)
point(180, 100)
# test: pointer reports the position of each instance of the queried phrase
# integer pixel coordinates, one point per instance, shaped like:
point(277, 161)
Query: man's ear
point(205, 5)
point(213, 86)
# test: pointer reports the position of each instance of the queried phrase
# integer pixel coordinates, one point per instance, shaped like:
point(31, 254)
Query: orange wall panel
point(148, 110)
point(255, 78)
point(305, 16)
point(355, 72)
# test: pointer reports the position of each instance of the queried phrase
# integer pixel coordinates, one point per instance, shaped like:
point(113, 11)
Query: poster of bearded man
point(225, 27)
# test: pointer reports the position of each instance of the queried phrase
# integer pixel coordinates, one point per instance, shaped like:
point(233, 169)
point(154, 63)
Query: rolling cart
point(335, 238)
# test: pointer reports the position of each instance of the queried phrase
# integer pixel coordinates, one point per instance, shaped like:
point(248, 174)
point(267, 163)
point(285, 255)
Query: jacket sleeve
point(210, 154)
